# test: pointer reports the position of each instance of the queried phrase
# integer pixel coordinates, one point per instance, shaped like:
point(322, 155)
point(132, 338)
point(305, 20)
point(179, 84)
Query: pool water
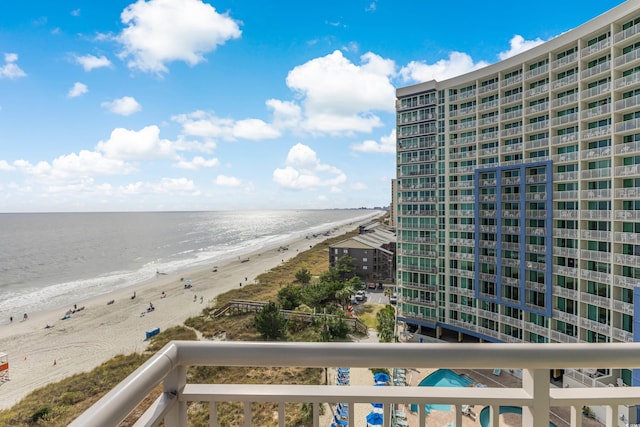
point(442, 378)
point(484, 414)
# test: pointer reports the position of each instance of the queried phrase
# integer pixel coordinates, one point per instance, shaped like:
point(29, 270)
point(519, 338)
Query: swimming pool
point(442, 378)
point(484, 414)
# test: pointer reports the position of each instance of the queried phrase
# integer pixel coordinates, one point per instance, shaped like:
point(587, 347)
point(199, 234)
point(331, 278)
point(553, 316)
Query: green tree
point(290, 297)
point(385, 323)
point(343, 295)
point(303, 276)
point(270, 322)
point(345, 266)
point(332, 328)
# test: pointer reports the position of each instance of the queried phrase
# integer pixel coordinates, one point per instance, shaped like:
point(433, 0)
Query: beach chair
point(342, 413)
point(497, 372)
point(340, 422)
point(400, 414)
point(402, 422)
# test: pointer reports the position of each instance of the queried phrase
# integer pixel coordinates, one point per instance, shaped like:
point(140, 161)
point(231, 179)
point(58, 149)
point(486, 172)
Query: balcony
point(168, 369)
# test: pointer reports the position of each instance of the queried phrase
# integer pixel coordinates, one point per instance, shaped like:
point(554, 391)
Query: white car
point(361, 295)
point(393, 299)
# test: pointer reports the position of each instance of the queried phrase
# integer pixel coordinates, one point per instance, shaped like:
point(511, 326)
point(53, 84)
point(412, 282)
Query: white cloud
point(305, 172)
point(208, 125)
point(124, 106)
point(88, 163)
point(457, 64)
point(358, 186)
point(136, 145)
point(286, 114)
point(10, 69)
point(90, 62)
point(174, 186)
point(162, 31)
point(69, 169)
point(339, 96)
point(5, 166)
point(371, 8)
point(518, 45)
point(75, 12)
point(227, 181)
point(387, 144)
point(78, 89)
point(197, 163)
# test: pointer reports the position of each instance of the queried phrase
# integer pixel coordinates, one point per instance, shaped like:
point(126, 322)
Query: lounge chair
point(400, 414)
point(497, 372)
point(402, 422)
point(340, 422)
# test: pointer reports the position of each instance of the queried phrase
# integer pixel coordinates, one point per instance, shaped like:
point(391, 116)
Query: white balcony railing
point(168, 368)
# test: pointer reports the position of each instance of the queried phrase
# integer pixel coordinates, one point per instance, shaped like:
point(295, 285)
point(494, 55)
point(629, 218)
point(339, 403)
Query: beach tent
point(4, 367)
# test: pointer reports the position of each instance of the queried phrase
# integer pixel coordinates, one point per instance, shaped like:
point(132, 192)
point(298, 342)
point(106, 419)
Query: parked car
point(371, 285)
point(361, 295)
point(393, 299)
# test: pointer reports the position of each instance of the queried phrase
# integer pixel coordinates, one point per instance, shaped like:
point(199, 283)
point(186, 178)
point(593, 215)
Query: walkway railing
point(168, 367)
point(245, 306)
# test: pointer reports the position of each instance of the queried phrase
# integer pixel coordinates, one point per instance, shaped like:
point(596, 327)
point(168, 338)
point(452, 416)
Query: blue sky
point(235, 104)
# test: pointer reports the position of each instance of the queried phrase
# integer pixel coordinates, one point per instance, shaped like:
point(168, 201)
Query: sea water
point(51, 260)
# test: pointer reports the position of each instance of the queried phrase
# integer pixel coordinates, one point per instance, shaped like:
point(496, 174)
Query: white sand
point(100, 331)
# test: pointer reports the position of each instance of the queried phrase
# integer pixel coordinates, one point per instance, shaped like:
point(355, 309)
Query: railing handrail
point(171, 361)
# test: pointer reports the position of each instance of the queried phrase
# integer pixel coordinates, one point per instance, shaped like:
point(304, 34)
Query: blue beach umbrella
point(375, 419)
point(381, 377)
point(377, 405)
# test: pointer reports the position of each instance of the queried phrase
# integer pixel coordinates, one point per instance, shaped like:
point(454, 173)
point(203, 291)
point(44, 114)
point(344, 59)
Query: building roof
point(374, 239)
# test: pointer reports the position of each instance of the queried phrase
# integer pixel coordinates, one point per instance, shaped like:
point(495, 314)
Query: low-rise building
point(373, 252)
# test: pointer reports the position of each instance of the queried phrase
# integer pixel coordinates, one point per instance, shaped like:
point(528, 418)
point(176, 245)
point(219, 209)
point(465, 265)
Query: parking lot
point(376, 296)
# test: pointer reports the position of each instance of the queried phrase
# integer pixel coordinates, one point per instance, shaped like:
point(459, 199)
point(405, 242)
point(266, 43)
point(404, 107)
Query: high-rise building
point(518, 186)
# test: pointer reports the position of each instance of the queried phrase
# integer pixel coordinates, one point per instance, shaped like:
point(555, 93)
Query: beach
point(98, 331)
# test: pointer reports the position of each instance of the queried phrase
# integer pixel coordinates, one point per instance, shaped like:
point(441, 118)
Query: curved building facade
point(518, 193)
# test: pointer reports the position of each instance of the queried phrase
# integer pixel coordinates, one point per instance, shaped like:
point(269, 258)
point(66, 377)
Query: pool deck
point(559, 416)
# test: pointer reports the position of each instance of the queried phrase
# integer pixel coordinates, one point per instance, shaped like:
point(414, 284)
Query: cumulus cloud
point(5, 166)
point(162, 31)
point(339, 96)
point(286, 114)
point(144, 144)
point(227, 181)
point(10, 69)
point(518, 45)
point(304, 171)
point(78, 89)
point(387, 144)
point(73, 167)
point(458, 63)
point(174, 186)
point(207, 125)
point(197, 163)
point(91, 62)
point(124, 106)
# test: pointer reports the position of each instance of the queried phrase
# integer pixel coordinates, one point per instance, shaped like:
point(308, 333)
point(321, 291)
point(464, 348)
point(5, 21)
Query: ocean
point(49, 260)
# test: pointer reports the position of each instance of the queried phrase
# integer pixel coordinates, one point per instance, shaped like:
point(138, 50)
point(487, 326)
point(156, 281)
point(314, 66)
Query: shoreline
point(99, 331)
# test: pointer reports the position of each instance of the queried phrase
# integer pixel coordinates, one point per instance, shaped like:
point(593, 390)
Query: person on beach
point(201, 300)
point(25, 317)
point(10, 319)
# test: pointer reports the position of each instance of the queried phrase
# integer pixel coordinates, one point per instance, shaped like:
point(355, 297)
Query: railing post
point(494, 416)
point(174, 383)
point(576, 416)
point(536, 383)
point(611, 415)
